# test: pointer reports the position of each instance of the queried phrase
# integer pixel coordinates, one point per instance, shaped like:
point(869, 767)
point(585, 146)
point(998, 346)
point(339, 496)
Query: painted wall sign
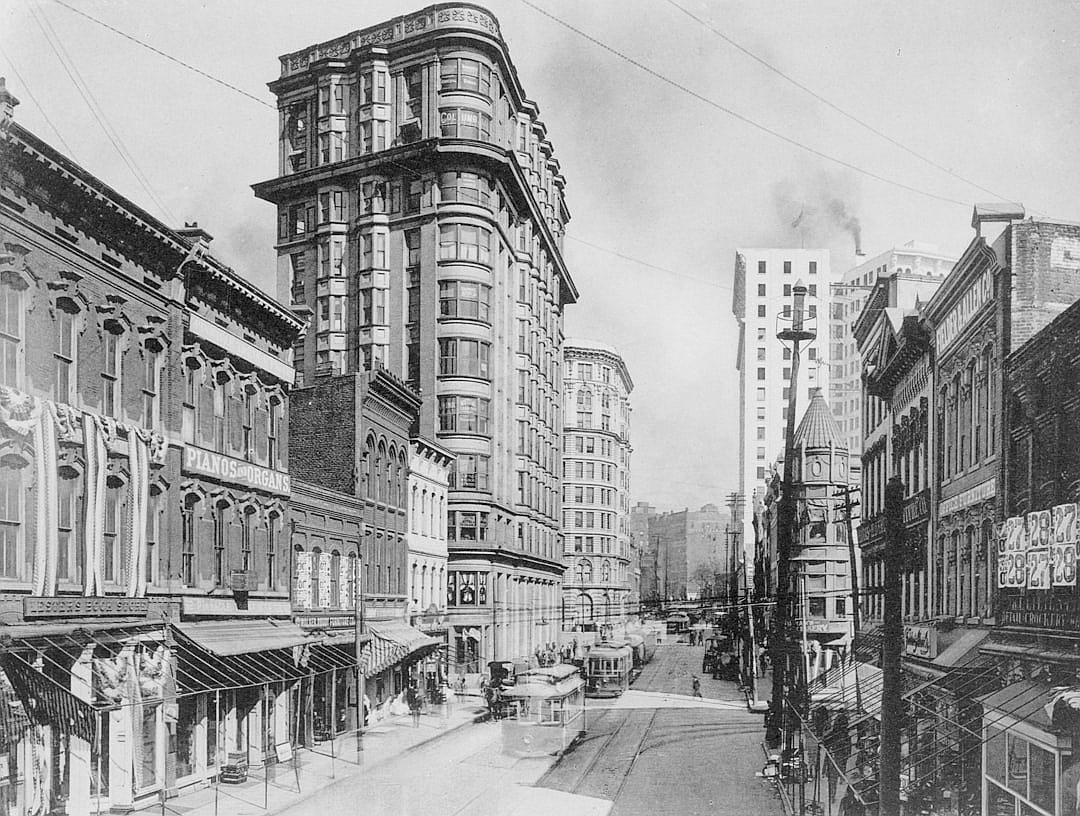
point(1041, 611)
point(324, 621)
point(921, 641)
point(226, 468)
point(978, 295)
point(83, 607)
point(973, 495)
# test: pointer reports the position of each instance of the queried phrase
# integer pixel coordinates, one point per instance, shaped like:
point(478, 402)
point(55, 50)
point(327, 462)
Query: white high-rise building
point(762, 297)
point(913, 259)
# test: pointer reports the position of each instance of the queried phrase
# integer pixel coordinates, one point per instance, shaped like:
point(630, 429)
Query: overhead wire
point(68, 64)
point(34, 99)
point(832, 105)
point(739, 116)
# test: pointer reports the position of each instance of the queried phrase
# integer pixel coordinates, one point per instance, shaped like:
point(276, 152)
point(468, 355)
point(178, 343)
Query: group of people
point(551, 654)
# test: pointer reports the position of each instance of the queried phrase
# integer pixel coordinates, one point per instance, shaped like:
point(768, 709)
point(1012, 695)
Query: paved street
point(657, 750)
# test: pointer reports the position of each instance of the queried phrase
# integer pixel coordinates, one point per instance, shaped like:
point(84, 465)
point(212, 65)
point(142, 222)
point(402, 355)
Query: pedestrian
point(412, 698)
point(696, 686)
point(461, 684)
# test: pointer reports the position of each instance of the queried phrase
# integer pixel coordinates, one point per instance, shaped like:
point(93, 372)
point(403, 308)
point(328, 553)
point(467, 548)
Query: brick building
point(421, 218)
point(144, 476)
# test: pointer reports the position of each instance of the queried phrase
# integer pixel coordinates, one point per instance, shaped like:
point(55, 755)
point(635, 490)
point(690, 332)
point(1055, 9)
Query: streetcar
point(545, 711)
point(678, 623)
point(638, 653)
point(607, 670)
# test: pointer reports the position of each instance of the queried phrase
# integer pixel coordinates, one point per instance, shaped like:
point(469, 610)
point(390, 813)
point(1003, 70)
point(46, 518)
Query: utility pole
point(358, 618)
point(845, 493)
point(796, 333)
point(892, 707)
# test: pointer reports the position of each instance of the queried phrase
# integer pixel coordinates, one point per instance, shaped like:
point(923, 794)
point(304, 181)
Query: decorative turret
point(822, 453)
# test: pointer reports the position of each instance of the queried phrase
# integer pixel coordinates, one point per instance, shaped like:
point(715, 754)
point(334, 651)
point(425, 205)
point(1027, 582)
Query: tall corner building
point(761, 300)
point(913, 261)
point(598, 548)
point(420, 223)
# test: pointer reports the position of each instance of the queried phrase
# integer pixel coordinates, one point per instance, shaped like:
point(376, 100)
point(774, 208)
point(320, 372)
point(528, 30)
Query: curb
point(480, 717)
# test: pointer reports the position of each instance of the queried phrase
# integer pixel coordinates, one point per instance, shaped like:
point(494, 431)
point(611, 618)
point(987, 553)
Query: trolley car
point(545, 711)
point(678, 623)
point(638, 654)
point(607, 670)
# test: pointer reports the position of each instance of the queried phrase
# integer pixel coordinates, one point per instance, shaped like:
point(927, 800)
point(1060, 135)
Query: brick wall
point(322, 433)
point(1045, 275)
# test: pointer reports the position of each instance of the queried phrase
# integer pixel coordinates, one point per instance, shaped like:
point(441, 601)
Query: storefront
point(1028, 763)
point(387, 661)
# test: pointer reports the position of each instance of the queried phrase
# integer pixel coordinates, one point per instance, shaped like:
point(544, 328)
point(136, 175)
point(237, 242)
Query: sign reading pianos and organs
point(235, 471)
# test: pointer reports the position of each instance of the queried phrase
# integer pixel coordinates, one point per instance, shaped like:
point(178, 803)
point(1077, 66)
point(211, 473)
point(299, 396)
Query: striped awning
point(391, 642)
point(44, 702)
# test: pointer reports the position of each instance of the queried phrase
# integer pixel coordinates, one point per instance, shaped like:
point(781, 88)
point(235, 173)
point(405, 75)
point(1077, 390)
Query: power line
point(40, 107)
point(159, 52)
point(740, 117)
point(832, 105)
point(96, 110)
point(263, 102)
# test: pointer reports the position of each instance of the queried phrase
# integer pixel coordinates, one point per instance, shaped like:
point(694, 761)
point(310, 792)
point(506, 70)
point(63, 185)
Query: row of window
point(583, 494)
point(585, 372)
point(464, 414)
point(582, 443)
point(811, 290)
point(588, 520)
point(763, 268)
point(116, 348)
point(583, 571)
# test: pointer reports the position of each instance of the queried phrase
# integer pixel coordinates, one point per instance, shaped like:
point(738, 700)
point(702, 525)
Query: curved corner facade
point(601, 575)
point(421, 220)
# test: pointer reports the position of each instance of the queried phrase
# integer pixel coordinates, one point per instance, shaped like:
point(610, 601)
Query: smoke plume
point(816, 209)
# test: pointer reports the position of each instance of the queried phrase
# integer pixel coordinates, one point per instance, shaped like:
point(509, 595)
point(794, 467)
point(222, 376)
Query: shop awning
point(235, 637)
point(1024, 700)
point(215, 655)
point(392, 642)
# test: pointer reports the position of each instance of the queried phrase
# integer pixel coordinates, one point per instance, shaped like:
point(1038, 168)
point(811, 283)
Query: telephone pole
point(796, 333)
point(892, 707)
point(845, 493)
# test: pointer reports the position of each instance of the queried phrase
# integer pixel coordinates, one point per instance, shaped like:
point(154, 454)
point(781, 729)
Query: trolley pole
point(778, 642)
point(892, 709)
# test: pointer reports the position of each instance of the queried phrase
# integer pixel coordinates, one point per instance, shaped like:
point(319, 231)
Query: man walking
point(696, 686)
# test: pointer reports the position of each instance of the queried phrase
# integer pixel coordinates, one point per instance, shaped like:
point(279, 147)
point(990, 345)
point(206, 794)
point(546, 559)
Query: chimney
point(7, 104)
point(194, 233)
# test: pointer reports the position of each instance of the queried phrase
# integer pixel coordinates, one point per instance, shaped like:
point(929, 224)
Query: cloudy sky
point(664, 173)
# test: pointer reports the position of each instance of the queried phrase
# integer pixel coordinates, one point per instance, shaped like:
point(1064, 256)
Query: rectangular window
point(787, 267)
point(187, 542)
point(813, 267)
point(761, 310)
point(761, 267)
point(464, 357)
point(761, 290)
point(151, 380)
point(470, 472)
point(110, 530)
point(111, 374)
point(11, 311)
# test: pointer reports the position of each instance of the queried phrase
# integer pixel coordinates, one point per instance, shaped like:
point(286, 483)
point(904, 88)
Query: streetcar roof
point(609, 650)
point(546, 691)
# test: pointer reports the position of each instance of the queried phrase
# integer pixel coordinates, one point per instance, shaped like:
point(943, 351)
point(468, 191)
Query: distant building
point(641, 515)
point(762, 299)
point(913, 261)
point(687, 550)
point(596, 484)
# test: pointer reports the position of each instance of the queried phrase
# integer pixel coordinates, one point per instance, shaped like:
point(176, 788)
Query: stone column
point(121, 747)
point(80, 750)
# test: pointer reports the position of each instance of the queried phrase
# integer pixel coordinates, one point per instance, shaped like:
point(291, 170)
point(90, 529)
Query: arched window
point(316, 578)
point(247, 538)
point(584, 399)
point(584, 571)
point(273, 520)
point(220, 534)
point(112, 369)
point(12, 328)
point(187, 540)
point(414, 513)
point(585, 607)
point(349, 601)
point(335, 579)
point(66, 355)
point(11, 517)
point(111, 530)
point(153, 534)
point(605, 571)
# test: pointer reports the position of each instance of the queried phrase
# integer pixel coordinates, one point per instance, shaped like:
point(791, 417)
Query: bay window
point(465, 75)
point(459, 356)
point(468, 188)
point(464, 299)
point(470, 472)
point(463, 414)
point(464, 123)
point(464, 242)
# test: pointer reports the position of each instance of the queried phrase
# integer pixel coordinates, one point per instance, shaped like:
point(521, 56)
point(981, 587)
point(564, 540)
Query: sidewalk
point(320, 767)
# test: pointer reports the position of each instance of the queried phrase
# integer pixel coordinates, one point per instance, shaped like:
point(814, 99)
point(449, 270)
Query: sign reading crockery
point(1038, 551)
